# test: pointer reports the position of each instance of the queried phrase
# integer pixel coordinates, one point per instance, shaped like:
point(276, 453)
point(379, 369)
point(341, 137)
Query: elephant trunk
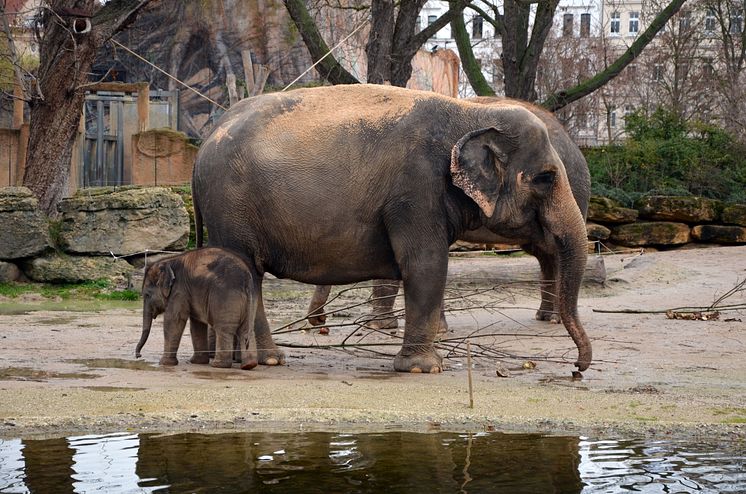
point(570, 235)
point(147, 322)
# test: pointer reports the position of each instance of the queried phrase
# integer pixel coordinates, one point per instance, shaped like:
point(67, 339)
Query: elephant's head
point(512, 172)
point(156, 288)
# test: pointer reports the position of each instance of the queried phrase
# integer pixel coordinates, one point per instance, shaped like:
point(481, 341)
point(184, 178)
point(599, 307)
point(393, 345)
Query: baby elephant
point(208, 286)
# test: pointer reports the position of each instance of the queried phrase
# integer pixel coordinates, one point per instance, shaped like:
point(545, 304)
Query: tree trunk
point(468, 61)
point(380, 41)
point(65, 61)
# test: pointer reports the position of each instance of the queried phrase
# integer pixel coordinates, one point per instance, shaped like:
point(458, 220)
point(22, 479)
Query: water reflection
point(351, 463)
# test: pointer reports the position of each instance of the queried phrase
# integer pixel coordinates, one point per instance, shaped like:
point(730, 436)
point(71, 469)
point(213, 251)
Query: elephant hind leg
point(382, 299)
point(267, 351)
point(316, 314)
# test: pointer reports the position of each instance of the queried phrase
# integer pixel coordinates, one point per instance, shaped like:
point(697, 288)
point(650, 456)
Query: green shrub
point(666, 155)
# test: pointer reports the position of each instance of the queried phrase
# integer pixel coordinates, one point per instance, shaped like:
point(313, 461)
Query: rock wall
point(665, 221)
point(105, 232)
point(94, 229)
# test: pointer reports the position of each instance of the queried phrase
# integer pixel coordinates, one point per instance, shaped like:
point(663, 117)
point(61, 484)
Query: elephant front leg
point(423, 296)
point(173, 329)
point(198, 331)
point(548, 308)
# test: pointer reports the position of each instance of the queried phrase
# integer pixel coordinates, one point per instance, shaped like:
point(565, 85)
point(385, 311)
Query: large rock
point(651, 233)
point(605, 210)
point(720, 234)
point(123, 221)
point(682, 209)
point(735, 215)
point(597, 232)
point(57, 268)
point(25, 229)
point(9, 272)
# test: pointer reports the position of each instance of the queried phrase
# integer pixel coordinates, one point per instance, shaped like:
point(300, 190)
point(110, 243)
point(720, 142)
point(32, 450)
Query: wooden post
point(143, 107)
point(248, 71)
point(17, 107)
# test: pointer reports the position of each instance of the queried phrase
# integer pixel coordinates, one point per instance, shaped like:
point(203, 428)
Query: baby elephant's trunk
point(147, 321)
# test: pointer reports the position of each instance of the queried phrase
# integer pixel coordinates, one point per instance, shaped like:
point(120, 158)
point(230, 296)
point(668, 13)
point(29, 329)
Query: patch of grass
point(644, 419)
point(90, 290)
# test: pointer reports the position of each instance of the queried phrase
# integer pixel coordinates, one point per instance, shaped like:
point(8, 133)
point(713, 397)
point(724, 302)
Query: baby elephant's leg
point(198, 330)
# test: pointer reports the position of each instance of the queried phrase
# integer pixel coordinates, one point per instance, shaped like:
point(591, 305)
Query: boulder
point(58, 268)
point(25, 227)
point(681, 209)
point(123, 221)
point(651, 233)
point(720, 234)
point(9, 272)
point(597, 232)
point(735, 215)
point(605, 210)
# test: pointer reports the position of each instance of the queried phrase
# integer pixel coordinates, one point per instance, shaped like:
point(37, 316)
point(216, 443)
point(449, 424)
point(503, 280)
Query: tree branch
point(468, 60)
point(562, 98)
point(329, 68)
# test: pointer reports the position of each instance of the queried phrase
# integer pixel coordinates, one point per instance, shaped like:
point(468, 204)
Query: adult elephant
point(384, 291)
point(348, 183)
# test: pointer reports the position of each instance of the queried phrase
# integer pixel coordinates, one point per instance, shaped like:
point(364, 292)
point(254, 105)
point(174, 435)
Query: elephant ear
point(166, 279)
point(478, 162)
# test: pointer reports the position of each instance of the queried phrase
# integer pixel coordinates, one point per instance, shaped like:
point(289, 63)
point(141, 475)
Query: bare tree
point(70, 32)
point(393, 39)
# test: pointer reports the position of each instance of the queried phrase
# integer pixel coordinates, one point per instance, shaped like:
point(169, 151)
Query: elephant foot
point(272, 357)
point(443, 326)
point(222, 364)
point(548, 315)
point(383, 323)
point(168, 361)
point(317, 320)
point(428, 362)
point(200, 359)
point(249, 364)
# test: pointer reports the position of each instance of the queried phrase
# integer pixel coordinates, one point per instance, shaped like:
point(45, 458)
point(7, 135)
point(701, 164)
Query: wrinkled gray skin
point(385, 291)
point(207, 286)
point(342, 184)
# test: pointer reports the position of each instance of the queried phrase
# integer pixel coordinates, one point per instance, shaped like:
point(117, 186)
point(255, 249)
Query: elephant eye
point(544, 178)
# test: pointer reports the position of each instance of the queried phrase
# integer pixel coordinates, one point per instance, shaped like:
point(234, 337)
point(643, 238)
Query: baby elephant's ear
point(478, 162)
point(166, 279)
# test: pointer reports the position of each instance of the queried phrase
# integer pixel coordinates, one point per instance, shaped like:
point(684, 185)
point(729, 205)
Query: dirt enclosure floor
point(66, 371)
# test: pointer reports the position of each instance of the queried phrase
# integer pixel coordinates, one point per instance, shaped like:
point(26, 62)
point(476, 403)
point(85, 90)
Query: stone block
point(25, 227)
point(684, 209)
point(9, 272)
point(605, 210)
point(57, 268)
point(734, 215)
point(123, 221)
point(651, 233)
point(597, 232)
point(720, 234)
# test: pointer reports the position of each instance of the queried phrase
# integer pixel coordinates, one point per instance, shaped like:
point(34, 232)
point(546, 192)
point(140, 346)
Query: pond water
point(391, 462)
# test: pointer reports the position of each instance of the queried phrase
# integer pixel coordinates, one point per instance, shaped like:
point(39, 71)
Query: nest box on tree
point(78, 20)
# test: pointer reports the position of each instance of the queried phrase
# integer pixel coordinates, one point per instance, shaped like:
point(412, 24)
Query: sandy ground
point(66, 371)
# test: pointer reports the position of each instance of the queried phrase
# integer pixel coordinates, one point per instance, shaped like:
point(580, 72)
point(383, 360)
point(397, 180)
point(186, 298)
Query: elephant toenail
point(435, 370)
point(415, 370)
point(271, 361)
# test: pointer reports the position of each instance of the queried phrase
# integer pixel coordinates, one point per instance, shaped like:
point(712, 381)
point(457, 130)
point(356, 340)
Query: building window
point(685, 21)
point(567, 25)
point(431, 19)
point(634, 22)
point(736, 22)
point(710, 21)
point(585, 25)
point(417, 25)
point(615, 22)
point(612, 118)
point(707, 67)
point(477, 24)
point(581, 120)
point(632, 71)
point(658, 72)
